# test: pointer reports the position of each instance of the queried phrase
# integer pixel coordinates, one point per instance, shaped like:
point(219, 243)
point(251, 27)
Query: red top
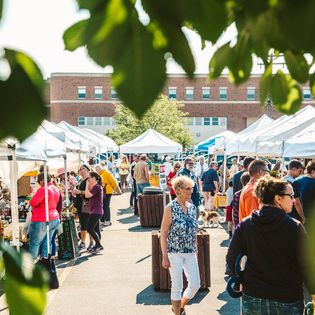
point(170, 175)
point(38, 204)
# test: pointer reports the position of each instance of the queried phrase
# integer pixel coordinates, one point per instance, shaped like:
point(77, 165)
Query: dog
point(211, 218)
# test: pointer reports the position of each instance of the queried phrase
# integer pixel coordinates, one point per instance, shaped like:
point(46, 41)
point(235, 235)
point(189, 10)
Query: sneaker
point(182, 311)
point(107, 223)
point(82, 246)
point(96, 249)
point(91, 245)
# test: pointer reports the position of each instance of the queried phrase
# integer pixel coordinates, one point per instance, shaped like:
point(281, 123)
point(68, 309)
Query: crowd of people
point(268, 211)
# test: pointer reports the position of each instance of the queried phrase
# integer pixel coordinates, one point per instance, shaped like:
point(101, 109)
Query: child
point(229, 198)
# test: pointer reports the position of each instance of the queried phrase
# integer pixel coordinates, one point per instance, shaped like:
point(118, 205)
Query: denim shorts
point(256, 306)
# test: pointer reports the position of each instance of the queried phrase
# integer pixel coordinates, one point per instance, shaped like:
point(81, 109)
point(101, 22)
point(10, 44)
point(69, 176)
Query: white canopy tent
point(111, 144)
point(233, 147)
point(37, 147)
point(220, 141)
point(72, 140)
point(301, 145)
point(151, 141)
point(272, 142)
point(96, 145)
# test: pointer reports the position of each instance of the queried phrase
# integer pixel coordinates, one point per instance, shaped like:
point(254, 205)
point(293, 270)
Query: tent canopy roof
point(151, 141)
point(204, 145)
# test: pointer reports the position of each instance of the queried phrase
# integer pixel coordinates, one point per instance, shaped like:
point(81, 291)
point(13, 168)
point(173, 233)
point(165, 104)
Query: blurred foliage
point(165, 116)
point(25, 283)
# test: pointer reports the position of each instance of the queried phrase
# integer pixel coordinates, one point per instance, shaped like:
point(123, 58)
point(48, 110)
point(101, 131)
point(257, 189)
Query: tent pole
point(46, 207)
point(66, 184)
point(14, 202)
point(224, 170)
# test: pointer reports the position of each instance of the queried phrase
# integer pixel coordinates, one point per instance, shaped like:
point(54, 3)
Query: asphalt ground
point(119, 281)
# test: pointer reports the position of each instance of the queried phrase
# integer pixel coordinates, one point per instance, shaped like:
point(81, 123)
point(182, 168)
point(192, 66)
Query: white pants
point(187, 262)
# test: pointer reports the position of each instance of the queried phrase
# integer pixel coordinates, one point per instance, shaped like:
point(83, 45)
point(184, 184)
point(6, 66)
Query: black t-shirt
point(208, 178)
point(237, 184)
point(78, 200)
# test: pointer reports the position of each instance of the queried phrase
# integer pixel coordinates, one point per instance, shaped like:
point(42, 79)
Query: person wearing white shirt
point(168, 165)
point(200, 168)
point(233, 168)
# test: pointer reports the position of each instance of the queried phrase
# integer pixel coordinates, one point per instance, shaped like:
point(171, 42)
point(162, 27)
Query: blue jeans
point(257, 306)
point(140, 187)
point(38, 237)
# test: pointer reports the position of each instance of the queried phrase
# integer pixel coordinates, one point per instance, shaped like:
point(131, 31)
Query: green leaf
point(74, 36)
point(208, 17)
point(297, 24)
point(169, 21)
point(92, 5)
point(312, 83)
point(1, 9)
point(220, 60)
point(21, 93)
point(139, 69)
point(240, 65)
point(297, 66)
point(286, 93)
point(25, 283)
point(115, 14)
point(264, 84)
point(279, 88)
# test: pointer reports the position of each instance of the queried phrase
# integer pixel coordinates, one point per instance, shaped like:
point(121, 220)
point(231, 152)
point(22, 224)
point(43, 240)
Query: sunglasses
point(290, 195)
point(189, 188)
point(191, 163)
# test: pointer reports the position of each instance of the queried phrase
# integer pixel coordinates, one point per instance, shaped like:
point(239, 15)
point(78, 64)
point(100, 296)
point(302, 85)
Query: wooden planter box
point(151, 209)
point(161, 277)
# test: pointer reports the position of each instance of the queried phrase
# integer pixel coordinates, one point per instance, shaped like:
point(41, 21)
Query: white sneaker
point(107, 223)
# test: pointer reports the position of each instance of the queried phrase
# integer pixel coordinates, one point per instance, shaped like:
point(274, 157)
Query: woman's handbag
point(85, 206)
point(49, 265)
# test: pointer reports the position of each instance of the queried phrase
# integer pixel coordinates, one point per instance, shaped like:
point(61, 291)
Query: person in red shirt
point(170, 176)
point(38, 233)
point(248, 201)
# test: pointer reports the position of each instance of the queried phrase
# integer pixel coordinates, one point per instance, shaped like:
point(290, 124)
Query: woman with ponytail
point(272, 281)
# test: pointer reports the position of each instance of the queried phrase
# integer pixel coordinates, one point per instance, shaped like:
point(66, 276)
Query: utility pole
point(273, 60)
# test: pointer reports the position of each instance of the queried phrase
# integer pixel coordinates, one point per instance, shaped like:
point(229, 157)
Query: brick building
point(87, 100)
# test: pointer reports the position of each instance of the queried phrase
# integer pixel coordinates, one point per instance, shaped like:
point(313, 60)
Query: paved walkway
point(118, 281)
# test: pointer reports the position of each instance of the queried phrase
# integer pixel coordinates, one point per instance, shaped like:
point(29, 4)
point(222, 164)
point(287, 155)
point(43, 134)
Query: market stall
point(151, 141)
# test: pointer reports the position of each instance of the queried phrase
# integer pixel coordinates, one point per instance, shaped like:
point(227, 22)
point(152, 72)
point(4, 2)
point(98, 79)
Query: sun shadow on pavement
point(225, 243)
point(231, 307)
point(139, 228)
point(150, 296)
point(125, 211)
point(128, 220)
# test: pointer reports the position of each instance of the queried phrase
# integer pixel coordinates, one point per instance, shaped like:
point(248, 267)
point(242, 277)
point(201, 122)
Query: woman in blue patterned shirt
point(178, 243)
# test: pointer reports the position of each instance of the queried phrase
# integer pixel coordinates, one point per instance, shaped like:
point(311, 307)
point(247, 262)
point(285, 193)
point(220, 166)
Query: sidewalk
point(118, 281)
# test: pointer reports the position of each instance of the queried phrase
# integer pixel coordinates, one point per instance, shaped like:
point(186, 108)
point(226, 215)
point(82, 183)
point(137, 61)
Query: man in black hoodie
point(274, 274)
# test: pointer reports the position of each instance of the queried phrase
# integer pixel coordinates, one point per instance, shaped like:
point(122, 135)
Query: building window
point(206, 121)
point(198, 121)
point(223, 93)
point(206, 93)
point(172, 91)
point(307, 93)
point(81, 121)
point(251, 94)
point(223, 121)
point(189, 93)
point(113, 94)
point(81, 92)
point(98, 121)
point(190, 121)
point(112, 121)
point(215, 121)
point(106, 121)
point(89, 121)
point(98, 92)
point(198, 134)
